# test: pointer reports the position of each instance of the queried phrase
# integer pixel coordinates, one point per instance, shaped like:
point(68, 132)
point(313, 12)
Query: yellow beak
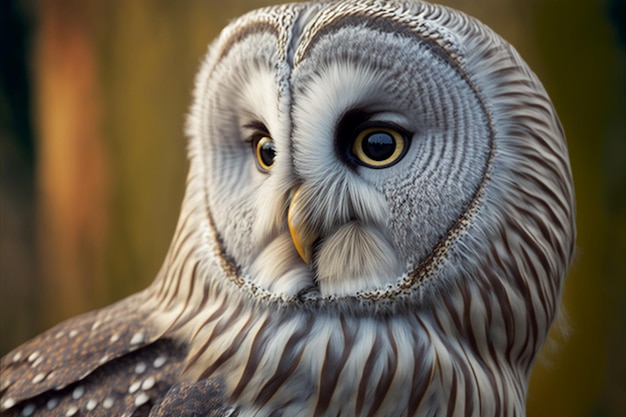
point(303, 237)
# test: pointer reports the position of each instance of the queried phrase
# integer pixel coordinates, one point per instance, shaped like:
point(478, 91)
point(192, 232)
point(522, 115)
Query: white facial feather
point(356, 257)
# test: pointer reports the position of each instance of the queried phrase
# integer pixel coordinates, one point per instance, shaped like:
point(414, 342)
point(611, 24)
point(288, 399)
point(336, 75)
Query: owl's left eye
point(379, 147)
point(265, 151)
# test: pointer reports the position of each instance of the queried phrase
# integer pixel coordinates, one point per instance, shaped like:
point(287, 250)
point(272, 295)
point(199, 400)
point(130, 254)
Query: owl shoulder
point(107, 362)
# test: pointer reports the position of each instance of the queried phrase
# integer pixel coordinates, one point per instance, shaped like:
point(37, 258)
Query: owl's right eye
point(265, 151)
point(365, 139)
point(379, 147)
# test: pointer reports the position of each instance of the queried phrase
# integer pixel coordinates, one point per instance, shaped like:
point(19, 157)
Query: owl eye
point(379, 147)
point(265, 151)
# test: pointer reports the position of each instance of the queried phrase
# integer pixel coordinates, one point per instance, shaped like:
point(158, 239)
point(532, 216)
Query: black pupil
point(267, 153)
point(379, 146)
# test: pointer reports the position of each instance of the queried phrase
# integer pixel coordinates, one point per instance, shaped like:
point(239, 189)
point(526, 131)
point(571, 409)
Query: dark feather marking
point(334, 361)
point(233, 348)
point(366, 376)
point(289, 360)
point(259, 344)
point(452, 398)
point(389, 371)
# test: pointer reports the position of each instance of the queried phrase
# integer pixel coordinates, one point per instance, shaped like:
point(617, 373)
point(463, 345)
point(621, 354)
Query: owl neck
point(448, 355)
point(334, 363)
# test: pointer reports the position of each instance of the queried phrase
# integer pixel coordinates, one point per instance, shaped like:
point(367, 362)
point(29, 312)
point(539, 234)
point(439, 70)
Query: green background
point(93, 99)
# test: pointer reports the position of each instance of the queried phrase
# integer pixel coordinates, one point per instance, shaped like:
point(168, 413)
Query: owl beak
point(303, 237)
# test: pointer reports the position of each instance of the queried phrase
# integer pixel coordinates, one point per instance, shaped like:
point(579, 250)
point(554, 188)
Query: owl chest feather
point(323, 363)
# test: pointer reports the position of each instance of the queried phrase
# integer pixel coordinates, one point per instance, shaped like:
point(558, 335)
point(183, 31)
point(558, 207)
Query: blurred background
point(93, 97)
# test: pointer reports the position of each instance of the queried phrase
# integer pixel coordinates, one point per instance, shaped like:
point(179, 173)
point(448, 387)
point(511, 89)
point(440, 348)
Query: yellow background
point(93, 165)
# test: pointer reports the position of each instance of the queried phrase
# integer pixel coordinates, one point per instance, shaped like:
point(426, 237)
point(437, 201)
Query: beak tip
point(306, 256)
point(302, 241)
point(303, 249)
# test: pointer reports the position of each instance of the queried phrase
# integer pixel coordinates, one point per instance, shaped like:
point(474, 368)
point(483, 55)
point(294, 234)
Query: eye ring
point(265, 152)
point(379, 147)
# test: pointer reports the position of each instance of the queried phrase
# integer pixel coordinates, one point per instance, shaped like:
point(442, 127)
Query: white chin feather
point(355, 258)
point(279, 269)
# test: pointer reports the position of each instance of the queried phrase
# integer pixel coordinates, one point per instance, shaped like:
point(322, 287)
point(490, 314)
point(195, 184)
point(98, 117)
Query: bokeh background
point(93, 97)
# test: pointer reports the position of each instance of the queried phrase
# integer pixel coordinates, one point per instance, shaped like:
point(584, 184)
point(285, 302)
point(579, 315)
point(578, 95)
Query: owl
point(378, 220)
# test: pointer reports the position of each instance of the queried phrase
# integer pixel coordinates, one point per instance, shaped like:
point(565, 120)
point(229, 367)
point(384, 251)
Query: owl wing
point(191, 399)
point(107, 362)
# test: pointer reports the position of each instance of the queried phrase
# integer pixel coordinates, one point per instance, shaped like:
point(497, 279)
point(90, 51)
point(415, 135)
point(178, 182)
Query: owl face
point(346, 151)
point(337, 163)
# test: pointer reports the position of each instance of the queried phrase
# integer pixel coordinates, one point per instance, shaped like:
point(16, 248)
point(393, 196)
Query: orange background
point(93, 99)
